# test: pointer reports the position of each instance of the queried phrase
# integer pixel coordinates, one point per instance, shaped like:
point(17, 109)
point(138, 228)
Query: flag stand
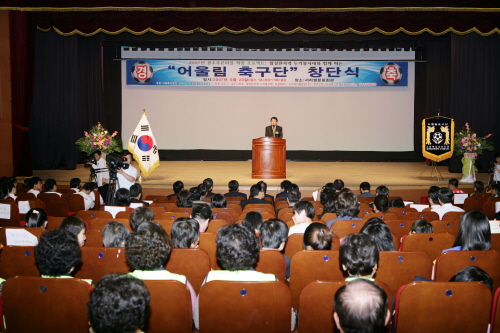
point(141, 177)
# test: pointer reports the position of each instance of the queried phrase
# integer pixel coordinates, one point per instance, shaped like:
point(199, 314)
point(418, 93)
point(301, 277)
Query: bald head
point(361, 306)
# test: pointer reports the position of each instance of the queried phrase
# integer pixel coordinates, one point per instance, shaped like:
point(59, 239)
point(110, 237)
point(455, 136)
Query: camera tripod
point(113, 183)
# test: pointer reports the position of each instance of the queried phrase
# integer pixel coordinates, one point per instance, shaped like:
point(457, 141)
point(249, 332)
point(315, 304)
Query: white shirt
point(445, 208)
point(298, 229)
point(89, 202)
point(35, 192)
point(12, 196)
point(496, 173)
point(76, 190)
point(92, 195)
point(103, 174)
point(54, 193)
point(123, 182)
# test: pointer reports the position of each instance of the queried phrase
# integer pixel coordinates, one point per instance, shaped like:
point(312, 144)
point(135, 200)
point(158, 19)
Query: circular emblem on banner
point(145, 143)
point(142, 72)
point(391, 73)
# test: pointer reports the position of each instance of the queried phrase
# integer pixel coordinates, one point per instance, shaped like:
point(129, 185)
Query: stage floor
point(308, 175)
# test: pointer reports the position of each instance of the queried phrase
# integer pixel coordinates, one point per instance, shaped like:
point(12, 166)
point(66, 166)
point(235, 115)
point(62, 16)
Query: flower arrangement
point(98, 138)
point(470, 145)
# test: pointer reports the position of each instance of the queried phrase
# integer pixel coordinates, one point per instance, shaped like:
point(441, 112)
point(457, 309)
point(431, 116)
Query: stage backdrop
point(371, 118)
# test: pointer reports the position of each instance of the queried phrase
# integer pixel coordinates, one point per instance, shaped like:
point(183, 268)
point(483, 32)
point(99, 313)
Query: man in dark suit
point(257, 197)
point(274, 130)
point(233, 190)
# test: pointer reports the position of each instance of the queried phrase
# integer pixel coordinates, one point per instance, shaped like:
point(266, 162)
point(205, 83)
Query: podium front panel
point(269, 158)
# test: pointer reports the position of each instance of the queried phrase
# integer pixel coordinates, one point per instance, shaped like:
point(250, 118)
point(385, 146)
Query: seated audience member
point(209, 184)
point(114, 234)
point(471, 274)
point(445, 198)
point(26, 183)
point(324, 191)
point(359, 257)
point(274, 234)
point(380, 233)
point(199, 192)
point(57, 254)
point(293, 198)
point(140, 215)
point(76, 226)
point(35, 185)
point(74, 184)
point(253, 221)
point(432, 196)
point(136, 194)
point(4, 192)
point(361, 306)
point(495, 189)
point(303, 213)
point(380, 204)
point(184, 199)
point(178, 186)
point(329, 204)
point(285, 188)
point(118, 304)
point(346, 207)
point(421, 227)
point(338, 184)
point(257, 196)
point(36, 218)
point(453, 185)
point(397, 203)
point(218, 201)
point(234, 186)
point(50, 186)
point(122, 197)
point(474, 233)
point(185, 233)
point(12, 190)
point(364, 190)
point(147, 250)
point(263, 186)
point(318, 237)
point(478, 187)
point(86, 194)
point(92, 194)
point(382, 190)
point(202, 214)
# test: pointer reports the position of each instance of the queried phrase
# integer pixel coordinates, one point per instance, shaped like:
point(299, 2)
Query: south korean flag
point(142, 145)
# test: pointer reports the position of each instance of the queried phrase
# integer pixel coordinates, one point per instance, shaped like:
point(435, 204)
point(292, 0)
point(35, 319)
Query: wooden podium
point(269, 158)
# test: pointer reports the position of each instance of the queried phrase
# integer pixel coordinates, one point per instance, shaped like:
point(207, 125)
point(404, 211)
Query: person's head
point(294, 187)
point(253, 221)
point(294, 197)
point(35, 183)
point(147, 248)
point(495, 188)
point(382, 190)
point(50, 185)
point(330, 203)
point(274, 234)
point(361, 306)
point(474, 233)
point(286, 185)
point(136, 191)
point(453, 183)
point(397, 203)
point(203, 189)
point(218, 201)
point(127, 157)
point(114, 234)
point(318, 237)
point(445, 195)
point(88, 187)
point(364, 187)
point(122, 197)
point(256, 192)
point(263, 186)
point(4, 191)
point(237, 247)
point(185, 233)
point(380, 233)
point(359, 255)
point(303, 211)
point(473, 273)
point(184, 199)
point(178, 186)
point(57, 252)
point(433, 195)
point(338, 184)
point(140, 215)
point(233, 185)
point(478, 186)
point(97, 155)
point(36, 218)
point(347, 204)
point(74, 182)
point(11, 187)
point(274, 121)
point(119, 303)
point(381, 204)
point(202, 214)
point(209, 183)
point(421, 227)
point(76, 226)
point(196, 193)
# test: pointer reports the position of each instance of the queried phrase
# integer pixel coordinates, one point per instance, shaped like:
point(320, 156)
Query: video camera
point(89, 160)
point(116, 162)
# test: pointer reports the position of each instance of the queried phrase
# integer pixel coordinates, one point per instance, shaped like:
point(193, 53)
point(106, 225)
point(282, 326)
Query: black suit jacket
point(243, 203)
point(279, 129)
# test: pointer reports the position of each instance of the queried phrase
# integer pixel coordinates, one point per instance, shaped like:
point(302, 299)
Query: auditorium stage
point(308, 175)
